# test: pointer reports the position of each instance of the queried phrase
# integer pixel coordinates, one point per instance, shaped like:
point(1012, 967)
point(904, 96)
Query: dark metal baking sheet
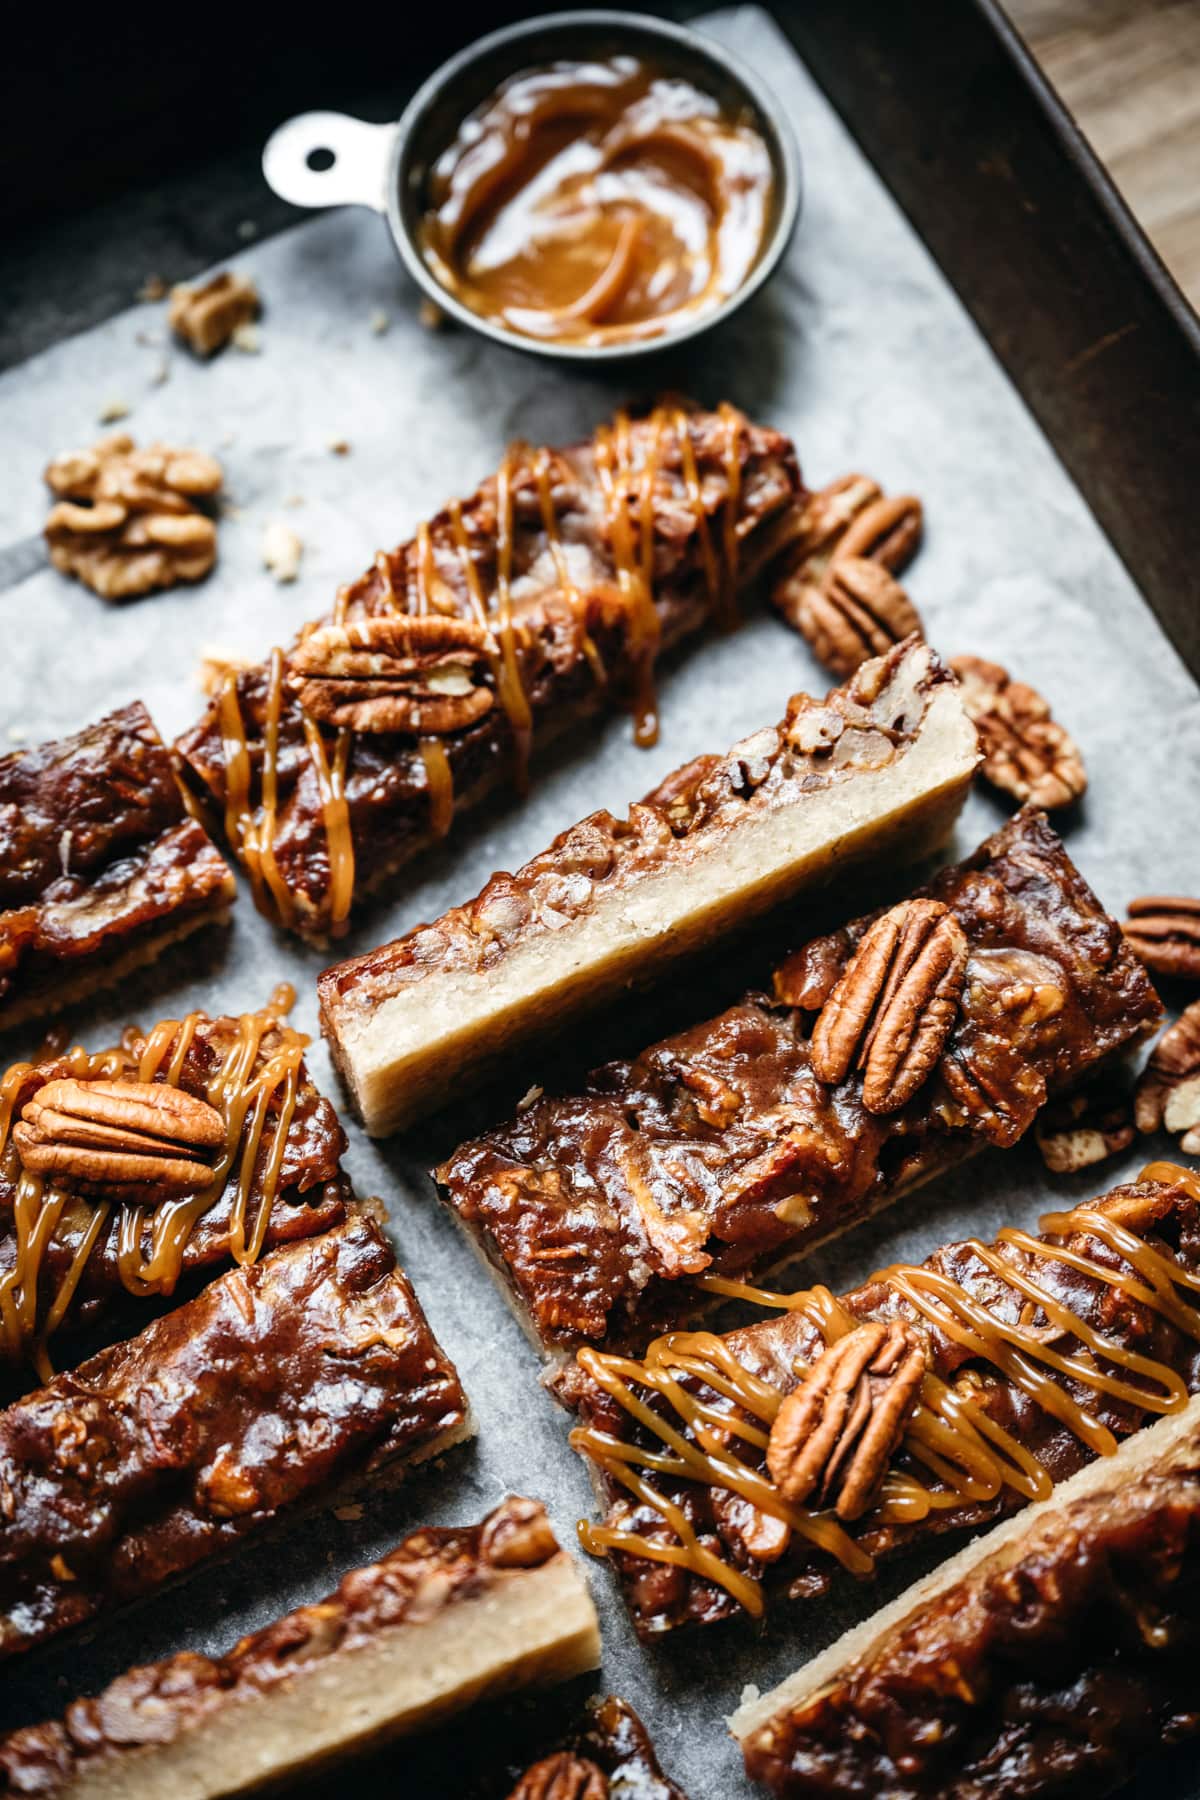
point(861, 350)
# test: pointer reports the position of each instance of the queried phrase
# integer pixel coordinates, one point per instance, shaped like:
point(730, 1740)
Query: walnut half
point(125, 522)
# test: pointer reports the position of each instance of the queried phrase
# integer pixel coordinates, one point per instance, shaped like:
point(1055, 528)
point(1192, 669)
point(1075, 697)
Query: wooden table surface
point(1129, 70)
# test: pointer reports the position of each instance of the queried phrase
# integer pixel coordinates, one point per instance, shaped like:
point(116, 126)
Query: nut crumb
point(17, 734)
point(210, 315)
point(111, 411)
point(248, 339)
point(162, 373)
point(431, 315)
point(350, 1514)
point(339, 446)
point(153, 288)
point(294, 500)
point(379, 321)
point(282, 549)
point(216, 662)
point(528, 1099)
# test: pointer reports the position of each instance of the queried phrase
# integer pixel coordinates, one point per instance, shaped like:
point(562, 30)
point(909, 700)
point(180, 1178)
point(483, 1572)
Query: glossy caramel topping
point(253, 1087)
point(705, 1417)
point(598, 202)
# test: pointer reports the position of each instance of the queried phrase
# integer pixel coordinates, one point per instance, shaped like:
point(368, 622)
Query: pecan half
point(1026, 753)
point(857, 611)
point(207, 316)
point(1168, 1093)
point(1083, 1129)
point(835, 1434)
point(849, 519)
point(1164, 931)
point(125, 522)
point(403, 672)
point(891, 1012)
point(563, 1776)
point(118, 1135)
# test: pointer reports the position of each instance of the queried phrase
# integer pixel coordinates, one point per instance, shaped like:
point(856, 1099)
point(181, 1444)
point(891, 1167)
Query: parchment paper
point(861, 351)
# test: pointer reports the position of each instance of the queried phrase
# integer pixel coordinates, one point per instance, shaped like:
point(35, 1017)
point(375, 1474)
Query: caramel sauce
point(598, 203)
point(252, 1093)
point(969, 1455)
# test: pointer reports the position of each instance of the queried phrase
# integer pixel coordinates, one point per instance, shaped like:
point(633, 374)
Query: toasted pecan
point(1026, 752)
point(119, 1134)
point(563, 1776)
point(418, 674)
point(1164, 931)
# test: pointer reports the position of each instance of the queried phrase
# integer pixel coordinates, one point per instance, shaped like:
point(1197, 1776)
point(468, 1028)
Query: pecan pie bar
point(879, 769)
point(275, 1387)
point(611, 1758)
point(125, 1171)
point(446, 1617)
point(543, 597)
point(888, 1050)
point(1052, 1656)
point(740, 1472)
point(101, 865)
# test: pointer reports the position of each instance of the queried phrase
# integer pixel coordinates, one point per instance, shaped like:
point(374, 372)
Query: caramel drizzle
point(251, 829)
point(253, 1092)
point(968, 1454)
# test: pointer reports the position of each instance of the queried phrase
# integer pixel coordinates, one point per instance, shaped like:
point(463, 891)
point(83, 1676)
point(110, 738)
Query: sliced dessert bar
point(741, 1472)
point(877, 770)
point(275, 1387)
point(889, 1050)
point(200, 1142)
point(511, 615)
point(1050, 1657)
point(447, 1617)
point(101, 865)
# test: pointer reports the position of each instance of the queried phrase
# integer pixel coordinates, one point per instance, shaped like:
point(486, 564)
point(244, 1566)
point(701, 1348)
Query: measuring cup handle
point(356, 175)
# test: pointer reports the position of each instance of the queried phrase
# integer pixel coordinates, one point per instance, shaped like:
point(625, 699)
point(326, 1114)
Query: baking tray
point(860, 348)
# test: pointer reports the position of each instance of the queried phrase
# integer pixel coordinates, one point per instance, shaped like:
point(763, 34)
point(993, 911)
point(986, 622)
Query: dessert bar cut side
point(888, 1051)
point(1051, 1656)
point(101, 866)
point(128, 1170)
point(542, 598)
point(877, 770)
point(446, 1618)
point(275, 1387)
point(738, 1473)
point(610, 1758)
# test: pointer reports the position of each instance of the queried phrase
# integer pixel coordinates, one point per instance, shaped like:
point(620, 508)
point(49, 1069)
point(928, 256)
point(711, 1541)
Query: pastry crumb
point(282, 549)
point(17, 734)
point(379, 321)
point(294, 500)
point(339, 446)
point(112, 410)
point(247, 338)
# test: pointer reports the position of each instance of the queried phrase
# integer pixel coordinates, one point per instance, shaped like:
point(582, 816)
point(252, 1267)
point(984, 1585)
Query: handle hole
point(320, 158)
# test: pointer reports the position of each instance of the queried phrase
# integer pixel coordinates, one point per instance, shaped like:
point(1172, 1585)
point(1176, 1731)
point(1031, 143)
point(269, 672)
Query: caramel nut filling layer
point(568, 571)
point(279, 1382)
point(877, 770)
point(1037, 1354)
point(100, 863)
point(888, 1050)
point(200, 1142)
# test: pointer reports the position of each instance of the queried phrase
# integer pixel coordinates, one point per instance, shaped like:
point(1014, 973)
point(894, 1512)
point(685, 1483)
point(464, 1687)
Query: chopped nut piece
point(126, 523)
point(1164, 931)
point(892, 1009)
point(208, 316)
point(835, 1434)
point(1025, 752)
point(111, 412)
point(1168, 1093)
point(563, 1776)
point(116, 1135)
point(339, 447)
point(1083, 1129)
point(282, 549)
point(153, 288)
point(379, 321)
point(216, 663)
point(247, 338)
point(431, 315)
point(858, 610)
point(395, 673)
